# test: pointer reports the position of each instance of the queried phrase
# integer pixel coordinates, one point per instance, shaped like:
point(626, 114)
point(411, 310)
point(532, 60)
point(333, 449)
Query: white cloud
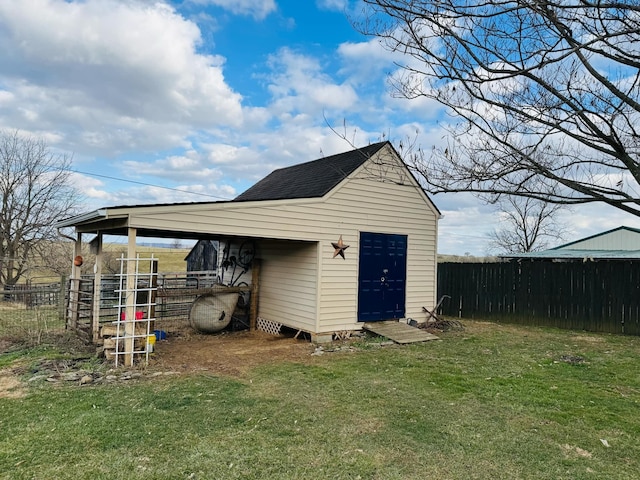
point(179, 194)
point(129, 68)
point(467, 222)
point(369, 66)
point(97, 195)
point(361, 60)
point(6, 97)
point(92, 189)
point(590, 219)
point(258, 9)
point(455, 234)
point(337, 5)
point(189, 167)
point(299, 84)
point(223, 154)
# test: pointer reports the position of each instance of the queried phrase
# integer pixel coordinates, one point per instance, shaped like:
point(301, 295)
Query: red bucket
point(139, 316)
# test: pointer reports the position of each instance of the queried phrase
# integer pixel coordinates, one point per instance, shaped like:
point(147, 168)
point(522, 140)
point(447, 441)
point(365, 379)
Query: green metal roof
point(622, 243)
point(575, 254)
point(598, 235)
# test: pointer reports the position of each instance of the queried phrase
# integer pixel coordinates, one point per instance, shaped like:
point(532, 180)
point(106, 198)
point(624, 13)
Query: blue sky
point(209, 96)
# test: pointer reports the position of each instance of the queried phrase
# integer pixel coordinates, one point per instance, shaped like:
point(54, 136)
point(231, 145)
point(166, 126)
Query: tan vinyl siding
point(366, 204)
point(296, 223)
point(288, 283)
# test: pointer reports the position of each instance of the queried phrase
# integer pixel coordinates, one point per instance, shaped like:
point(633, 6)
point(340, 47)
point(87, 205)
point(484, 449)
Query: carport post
point(97, 282)
point(73, 312)
point(255, 289)
point(130, 309)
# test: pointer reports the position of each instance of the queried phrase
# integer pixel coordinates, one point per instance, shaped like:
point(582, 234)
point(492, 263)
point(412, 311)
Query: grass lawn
point(492, 402)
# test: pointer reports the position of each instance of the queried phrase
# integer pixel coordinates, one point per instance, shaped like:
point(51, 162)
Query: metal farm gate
point(173, 298)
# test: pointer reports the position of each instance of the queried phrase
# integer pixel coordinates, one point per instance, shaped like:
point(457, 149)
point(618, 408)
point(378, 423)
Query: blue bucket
point(160, 334)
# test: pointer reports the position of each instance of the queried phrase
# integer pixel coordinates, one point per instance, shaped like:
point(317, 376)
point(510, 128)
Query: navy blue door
point(382, 276)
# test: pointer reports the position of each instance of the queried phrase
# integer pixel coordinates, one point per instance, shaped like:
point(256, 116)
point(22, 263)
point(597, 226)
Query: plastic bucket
point(139, 316)
point(151, 342)
point(160, 334)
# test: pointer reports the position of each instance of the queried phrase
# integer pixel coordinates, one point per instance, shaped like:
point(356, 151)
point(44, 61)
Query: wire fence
point(29, 312)
point(32, 294)
point(28, 325)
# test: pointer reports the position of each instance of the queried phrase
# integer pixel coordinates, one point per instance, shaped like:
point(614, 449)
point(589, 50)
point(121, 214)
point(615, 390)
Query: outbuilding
point(342, 240)
point(621, 243)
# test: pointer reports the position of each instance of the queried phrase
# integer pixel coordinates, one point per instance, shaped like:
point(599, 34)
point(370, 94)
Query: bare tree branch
point(527, 225)
point(539, 90)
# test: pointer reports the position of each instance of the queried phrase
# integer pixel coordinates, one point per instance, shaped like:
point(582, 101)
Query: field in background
point(59, 256)
point(170, 260)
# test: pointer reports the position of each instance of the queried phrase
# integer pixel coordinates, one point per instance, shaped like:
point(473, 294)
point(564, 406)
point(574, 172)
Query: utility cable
point(146, 184)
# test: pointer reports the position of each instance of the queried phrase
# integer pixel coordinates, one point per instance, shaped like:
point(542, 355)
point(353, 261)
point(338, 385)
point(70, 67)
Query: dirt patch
point(588, 338)
point(572, 359)
point(230, 354)
point(10, 386)
point(572, 450)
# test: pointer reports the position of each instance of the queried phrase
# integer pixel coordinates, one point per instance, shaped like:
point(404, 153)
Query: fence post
point(97, 290)
point(255, 289)
point(153, 294)
point(74, 289)
point(62, 299)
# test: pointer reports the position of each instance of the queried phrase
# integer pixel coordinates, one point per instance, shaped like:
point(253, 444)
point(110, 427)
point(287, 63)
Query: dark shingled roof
point(310, 179)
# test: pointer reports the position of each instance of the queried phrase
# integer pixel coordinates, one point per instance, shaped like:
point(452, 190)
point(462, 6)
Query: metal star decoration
point(340, 247)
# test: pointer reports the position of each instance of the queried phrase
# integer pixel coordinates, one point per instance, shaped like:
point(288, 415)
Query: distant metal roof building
point(622, 243)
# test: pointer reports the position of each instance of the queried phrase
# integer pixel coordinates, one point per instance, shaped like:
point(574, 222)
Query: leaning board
point(399, 332)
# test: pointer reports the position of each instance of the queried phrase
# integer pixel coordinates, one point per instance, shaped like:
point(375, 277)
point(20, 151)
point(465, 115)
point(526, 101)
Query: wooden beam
point(74, 286)
point(97, 282)
point(62, 300)
point(130, 309)
point(153, 294)
point(181, 292)
point(255, 290)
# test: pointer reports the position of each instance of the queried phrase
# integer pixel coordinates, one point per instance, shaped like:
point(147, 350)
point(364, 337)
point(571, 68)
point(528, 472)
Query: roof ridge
point(336, 155)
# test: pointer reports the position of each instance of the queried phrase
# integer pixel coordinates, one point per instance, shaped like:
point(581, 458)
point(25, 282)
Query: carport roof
point(312, 179)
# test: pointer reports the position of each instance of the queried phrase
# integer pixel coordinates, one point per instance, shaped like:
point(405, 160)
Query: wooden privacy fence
point(597, 296)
